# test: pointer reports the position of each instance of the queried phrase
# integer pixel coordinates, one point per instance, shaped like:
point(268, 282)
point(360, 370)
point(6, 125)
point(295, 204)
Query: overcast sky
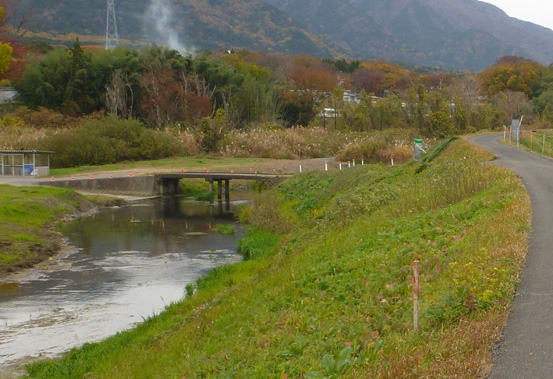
point(537, 11)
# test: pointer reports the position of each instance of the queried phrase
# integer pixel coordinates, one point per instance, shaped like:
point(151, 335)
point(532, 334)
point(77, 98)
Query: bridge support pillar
point(219, 190)
point(169, 187)
point(227, 193)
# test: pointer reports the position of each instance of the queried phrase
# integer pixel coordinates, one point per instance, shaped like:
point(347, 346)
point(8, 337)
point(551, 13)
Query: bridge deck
point(215, 176)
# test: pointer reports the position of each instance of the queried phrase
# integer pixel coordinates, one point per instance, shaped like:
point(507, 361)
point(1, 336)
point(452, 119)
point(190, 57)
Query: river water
point(122, 266)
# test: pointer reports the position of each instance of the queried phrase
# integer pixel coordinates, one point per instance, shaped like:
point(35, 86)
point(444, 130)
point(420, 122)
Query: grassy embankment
point(534, 142)
point(26, 217)
point(326, 289)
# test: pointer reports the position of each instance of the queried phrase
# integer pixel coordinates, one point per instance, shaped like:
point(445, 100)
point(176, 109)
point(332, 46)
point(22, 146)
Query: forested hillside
point(197, 25)
point(437, 33)
point(466, 34)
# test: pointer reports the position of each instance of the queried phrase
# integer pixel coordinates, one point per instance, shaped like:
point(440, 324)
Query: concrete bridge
point(169, 182)
point(157, 184)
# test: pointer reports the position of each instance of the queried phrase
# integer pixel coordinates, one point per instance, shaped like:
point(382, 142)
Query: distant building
point(7, 95)
point(328, 113)
point(352, 97)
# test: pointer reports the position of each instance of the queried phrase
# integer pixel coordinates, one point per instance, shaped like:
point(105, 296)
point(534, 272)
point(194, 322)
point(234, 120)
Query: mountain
point(457, 34)
point(200, 24)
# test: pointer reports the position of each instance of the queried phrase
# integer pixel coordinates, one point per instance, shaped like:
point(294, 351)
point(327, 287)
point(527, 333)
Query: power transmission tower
point(112, 37)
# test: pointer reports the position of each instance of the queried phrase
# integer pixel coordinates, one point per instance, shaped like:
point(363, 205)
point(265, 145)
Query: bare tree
point(119, 96)
point(513, 104)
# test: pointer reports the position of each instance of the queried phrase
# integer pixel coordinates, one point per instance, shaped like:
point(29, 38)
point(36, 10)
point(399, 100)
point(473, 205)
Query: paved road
point(526, 350)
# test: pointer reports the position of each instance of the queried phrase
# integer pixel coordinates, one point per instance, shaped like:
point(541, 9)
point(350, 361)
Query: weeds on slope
point(329, 294)
point(25, 214)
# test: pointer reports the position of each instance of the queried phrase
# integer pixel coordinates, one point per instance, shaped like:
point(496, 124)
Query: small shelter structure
point(7, 95)
point(25, 163)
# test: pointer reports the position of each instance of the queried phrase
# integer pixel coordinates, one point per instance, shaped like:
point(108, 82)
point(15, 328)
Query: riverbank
point(122, 265)
point(24, 244)
point(326, 291)
point(28, 216)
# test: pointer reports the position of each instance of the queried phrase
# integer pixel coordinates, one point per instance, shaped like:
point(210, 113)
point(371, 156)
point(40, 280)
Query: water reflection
point(125, 265)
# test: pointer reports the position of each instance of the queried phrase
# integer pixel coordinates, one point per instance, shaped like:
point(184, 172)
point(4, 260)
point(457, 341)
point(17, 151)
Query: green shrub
point(257, 243)
point(264, 213)
point(109, 140)
point(226, 229)
point(199, 190)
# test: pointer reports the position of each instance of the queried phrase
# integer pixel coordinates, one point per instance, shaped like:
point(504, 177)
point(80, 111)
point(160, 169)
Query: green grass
point(13, 258)
point(534, 142)
point(25, 216)
point(258, 243)
point(326, 291)
point(198, 189)
point(226, 229)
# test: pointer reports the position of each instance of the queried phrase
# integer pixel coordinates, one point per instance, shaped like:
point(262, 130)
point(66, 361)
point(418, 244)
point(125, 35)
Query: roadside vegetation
point(27, 223)
point(540, 141)
point(325, 289)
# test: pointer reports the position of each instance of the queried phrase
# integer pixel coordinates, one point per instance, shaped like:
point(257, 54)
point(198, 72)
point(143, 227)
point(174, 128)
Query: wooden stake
point(416, 289)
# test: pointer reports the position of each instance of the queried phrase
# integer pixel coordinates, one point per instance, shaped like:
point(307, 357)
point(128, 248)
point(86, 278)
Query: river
point(121, 266)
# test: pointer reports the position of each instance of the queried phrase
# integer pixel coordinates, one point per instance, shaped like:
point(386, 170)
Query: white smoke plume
point(159, 15)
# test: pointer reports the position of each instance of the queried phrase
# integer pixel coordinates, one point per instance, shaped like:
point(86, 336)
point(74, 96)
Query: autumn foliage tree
point(368, 79)
point(171, 98)
point(6, 50)
point(316, 80)
point(391, 73)
point(511, 74)
point(311, 83)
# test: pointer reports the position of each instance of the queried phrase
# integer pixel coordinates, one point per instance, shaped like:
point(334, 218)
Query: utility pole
point(112, 37)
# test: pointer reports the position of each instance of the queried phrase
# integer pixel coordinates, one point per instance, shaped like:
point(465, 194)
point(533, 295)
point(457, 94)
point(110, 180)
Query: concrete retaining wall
point(135, 186)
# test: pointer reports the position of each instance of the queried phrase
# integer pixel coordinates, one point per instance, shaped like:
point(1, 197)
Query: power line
point(112, 37)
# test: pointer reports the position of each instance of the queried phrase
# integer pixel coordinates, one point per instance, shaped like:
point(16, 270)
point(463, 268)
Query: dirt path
point(526, 350)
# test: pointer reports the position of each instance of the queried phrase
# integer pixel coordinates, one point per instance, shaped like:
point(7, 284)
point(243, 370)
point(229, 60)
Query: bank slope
point(326, 291)
point(27, 217)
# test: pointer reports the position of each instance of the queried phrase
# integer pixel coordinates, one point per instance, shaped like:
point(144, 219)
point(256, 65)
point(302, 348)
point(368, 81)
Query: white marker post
point(518, 131)
point(326, 166)
point(416, 290)
point(392, 161)
point(301, 169)
point(340, 165)
point(354, 163)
